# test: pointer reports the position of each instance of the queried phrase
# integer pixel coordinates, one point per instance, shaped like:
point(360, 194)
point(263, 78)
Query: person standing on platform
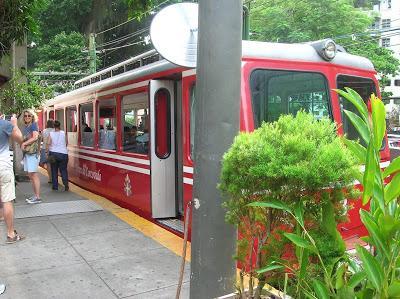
point(43, 154)
point(31, 147)
point(57, 149)
point(7, 185)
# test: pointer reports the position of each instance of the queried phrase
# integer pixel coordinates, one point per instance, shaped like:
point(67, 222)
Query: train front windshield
point(276, 92)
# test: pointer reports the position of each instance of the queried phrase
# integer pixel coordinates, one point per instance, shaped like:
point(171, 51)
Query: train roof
point(151, 62)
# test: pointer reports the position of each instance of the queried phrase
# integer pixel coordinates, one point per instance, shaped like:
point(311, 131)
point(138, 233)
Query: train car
point(130, 127)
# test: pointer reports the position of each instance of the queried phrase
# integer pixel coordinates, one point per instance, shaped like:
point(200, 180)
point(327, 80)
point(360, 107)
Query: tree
point(140, 8)
point(16, 19)
point(63, 16)
point(63, 53)
point(22, 95)
point(301, 21)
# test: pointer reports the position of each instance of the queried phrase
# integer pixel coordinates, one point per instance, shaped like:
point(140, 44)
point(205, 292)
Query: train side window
point(107, 124)
point(72, 125)
point(87, 124)
point(162, 123)
point(60, 118)
point(276, 92)
point(135, 123)
point(192, 117)
point(365, 87)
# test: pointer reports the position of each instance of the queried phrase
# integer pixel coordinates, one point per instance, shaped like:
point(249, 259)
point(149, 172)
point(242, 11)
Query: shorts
point(31, 163)
point(43, 156)
point(7, 185)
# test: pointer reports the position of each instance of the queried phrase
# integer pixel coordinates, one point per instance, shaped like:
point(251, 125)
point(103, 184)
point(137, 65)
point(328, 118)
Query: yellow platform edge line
point(146, 227)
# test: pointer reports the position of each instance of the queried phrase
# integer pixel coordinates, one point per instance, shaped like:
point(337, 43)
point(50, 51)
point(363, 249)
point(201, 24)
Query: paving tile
point(93, 223)
point(30, 255)
point(108, 244)
point(165, 293)
point(66, 282)
point(77, 215)
point(140, 273)
point(33, 230)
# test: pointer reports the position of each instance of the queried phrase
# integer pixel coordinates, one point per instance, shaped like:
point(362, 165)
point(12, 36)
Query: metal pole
point(92, 53)
point(246, 22)
point(213, 271)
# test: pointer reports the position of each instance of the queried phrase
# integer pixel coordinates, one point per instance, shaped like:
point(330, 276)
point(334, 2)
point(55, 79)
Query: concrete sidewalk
point(84, 255)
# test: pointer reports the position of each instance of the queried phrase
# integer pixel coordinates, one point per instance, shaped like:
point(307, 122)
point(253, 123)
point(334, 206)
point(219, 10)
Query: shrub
point(295, 164)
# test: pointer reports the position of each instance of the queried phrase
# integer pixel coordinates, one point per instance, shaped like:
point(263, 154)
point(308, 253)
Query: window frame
point(145, 91)
point(326, 81)
point(386, 23)
point(169, 123)
point(63, 113)
point(376, 90)
point(97, 123)
point(385, 42)
point(80, 125)
point(66, 125)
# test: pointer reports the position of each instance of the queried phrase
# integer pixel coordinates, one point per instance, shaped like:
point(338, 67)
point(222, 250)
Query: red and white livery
point(130, 127)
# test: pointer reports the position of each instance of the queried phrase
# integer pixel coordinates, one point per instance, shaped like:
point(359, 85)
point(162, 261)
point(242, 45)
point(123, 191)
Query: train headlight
point(326, 48)
point(329, 50)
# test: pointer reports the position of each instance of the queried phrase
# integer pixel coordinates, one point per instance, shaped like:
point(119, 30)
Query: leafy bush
point(379, 275)
point(295, 164)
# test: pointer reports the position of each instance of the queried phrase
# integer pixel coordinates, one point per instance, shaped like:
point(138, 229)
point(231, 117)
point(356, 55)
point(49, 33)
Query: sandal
point(16, 238)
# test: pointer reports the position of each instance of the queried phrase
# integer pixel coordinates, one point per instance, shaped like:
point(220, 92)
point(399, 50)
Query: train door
point(162, 149)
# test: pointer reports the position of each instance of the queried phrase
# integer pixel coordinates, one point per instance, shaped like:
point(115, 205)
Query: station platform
point(80, 245)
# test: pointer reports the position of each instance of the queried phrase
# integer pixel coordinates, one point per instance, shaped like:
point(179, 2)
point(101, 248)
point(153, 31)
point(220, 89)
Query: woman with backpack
point(31, 149)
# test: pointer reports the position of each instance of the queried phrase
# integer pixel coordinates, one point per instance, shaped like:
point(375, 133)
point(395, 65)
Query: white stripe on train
point(110, 163)
point(188, 181)
point(112, 156)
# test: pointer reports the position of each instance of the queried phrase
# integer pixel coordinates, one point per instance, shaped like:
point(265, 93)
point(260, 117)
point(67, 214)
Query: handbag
point(34, 147)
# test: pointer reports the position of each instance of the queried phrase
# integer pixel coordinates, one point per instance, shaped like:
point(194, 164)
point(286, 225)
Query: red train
point(130, 127)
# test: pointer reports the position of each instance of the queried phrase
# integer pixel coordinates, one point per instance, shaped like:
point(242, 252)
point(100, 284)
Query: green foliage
point(20, 95)
point(63, 53)
point(63, 16)
point(281, 179)
point(300, 21)
point(138, 9)
point(16, 19)
point(381, 265)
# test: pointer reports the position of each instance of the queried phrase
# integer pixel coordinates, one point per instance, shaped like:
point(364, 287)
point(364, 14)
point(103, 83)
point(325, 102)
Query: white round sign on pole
point(173, 33)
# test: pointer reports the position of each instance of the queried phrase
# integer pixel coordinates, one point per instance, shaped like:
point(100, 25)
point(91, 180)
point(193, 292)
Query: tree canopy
point(63, 53)
point(16, 19)
point(63, 16)
point(307, 20)
point(22, 95)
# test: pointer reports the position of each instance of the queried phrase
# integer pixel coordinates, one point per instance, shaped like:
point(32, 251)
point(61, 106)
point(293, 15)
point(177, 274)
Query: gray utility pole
point(92, 52)
point(213, 271)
